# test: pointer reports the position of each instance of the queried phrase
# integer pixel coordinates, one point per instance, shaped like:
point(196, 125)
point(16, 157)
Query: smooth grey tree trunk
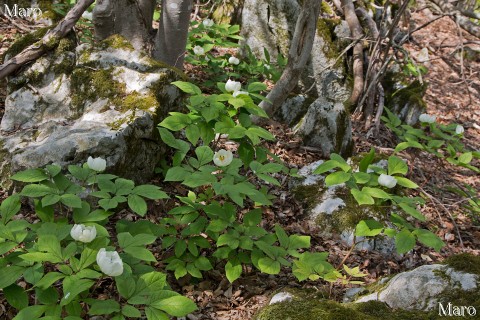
point(131, 19)
point(171, 37)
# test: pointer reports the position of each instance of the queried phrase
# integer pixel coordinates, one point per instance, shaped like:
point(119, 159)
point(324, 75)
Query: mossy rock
point(103, 101)
point(321, 309)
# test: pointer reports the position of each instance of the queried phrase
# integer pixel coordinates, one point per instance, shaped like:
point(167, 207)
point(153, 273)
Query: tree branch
point(357, 33)
point(462, 20)
point(48, 42)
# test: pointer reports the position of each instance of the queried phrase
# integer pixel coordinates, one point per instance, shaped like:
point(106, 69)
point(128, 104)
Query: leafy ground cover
point(451, 96)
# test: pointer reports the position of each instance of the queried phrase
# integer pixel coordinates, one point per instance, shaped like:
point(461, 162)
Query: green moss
point(135, 100)
point(319, 309)
point(325, 8)
point(308, 195)
point(24, 42)
point(116, 42)
point(90, 85)
point(324, 30)
point(464, 262)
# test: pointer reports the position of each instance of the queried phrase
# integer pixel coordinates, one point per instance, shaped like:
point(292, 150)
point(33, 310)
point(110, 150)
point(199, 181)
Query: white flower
point(222, 157)
point(82, 233)
point(97, 164)
point(233, 60)
point(426, 118)
point(459, 129)
point(232, 86)
point(109, 262)
point(236, 93)
point(208, 22)
point(87, 15)
point(198, 50)
point(387, 181)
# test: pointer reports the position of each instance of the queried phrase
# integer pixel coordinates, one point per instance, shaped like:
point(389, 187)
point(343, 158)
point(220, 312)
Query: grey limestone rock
point(101, 102)
point(423, 287)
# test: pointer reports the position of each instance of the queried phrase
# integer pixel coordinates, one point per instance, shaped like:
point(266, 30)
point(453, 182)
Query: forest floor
point(453, 95)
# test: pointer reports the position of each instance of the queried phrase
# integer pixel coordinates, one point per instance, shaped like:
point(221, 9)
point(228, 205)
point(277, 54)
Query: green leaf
point(256, 87)
point(36, 190)
point(99, 307)
point(246, 152)
point(253, 217)
point(193, 133)
point(177, 306)
point(16, 296)
point(176, 121)
point(362, 197)
point(282, 236)
point(376, 193)
point(137, 204)
point(465, 158)
point(125, 285)
point(326, 166)
point(408, 144)
point(31, 175)
point(361, 177)
point(150, 191)
point(131, 311)
point(412, 211)
point(269, 265)
point(31, 312)
point(155, 314)
point(337, 178)
point(233, 270)
point(396, 165)
point(367, 160)
point(50, 199)
point(10, 207)
point(87, 257)
point(204, 154)
point(180, 248)
point(123, 186)
point(47, 296)
point(430, 239)
point(71, 200)
point(49, 279)
point(140, 253)
point(187, 87)
point(404, 182)
point(404, 241)
point(177, 174)
point(368, 228)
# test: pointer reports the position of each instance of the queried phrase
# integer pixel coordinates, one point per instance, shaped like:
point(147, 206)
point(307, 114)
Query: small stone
point(281, 297)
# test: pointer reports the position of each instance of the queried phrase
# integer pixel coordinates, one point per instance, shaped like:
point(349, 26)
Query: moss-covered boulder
point(427, 287)
point(102, 101)
point(428, 292)
point(335, 211)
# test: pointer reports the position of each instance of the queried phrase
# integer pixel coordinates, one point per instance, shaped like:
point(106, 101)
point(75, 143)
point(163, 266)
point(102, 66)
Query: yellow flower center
point(222, 158)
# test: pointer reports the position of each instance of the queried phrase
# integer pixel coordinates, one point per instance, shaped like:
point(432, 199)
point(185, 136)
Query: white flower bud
point(97, 164)
point(459, 129)
point(426, 118)
point(222, 158)
point(208, 23)
point(232, 86)
point(387, 181)
point(83, 233)
point(233, 60)
point(109, 262)
point(198, 50)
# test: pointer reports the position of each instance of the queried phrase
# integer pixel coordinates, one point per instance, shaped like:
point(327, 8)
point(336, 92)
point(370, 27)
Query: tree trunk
point(300, 49)
point(172, 34)
point(131, 19)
